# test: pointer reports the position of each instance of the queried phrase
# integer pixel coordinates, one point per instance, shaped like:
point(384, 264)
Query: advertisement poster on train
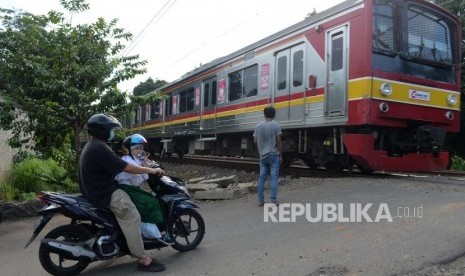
point(175, 104)
point(221, 89)
point(197, 96)
point(265, 76)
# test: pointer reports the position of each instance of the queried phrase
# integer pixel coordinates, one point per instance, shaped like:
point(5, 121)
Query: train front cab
point(412, 98)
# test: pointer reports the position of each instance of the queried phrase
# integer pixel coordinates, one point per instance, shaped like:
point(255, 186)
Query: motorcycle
point(94, 234)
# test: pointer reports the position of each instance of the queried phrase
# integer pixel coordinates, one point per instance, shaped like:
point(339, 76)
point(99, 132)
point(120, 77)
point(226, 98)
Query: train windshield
point(415, 40)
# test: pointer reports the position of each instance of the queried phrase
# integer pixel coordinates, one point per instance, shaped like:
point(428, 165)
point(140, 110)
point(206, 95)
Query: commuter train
point(371, 83)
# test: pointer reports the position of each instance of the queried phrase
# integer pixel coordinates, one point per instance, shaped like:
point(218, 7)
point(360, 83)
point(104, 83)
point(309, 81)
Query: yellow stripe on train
point(239, 111)
point(415, 94)
point(358, 89)
point(401, 92)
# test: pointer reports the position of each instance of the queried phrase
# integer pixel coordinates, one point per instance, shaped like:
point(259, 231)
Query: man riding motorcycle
point(98, 166)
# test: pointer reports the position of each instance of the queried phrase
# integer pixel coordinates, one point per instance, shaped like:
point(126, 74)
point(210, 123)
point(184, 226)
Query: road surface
point(427, 228)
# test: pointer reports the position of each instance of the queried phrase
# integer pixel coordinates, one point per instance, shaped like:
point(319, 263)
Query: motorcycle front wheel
point(187, 230)
point(56, 264)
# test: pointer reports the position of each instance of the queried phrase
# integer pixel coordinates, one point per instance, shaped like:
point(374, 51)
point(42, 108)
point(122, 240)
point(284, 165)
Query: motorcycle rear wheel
point(56, 264)
point(187, 230)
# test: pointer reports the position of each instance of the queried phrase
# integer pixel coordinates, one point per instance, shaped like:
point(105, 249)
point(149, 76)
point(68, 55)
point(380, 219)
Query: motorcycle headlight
point(451, 100)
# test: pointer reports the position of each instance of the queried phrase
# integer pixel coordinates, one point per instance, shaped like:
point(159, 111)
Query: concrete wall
point(6, 153)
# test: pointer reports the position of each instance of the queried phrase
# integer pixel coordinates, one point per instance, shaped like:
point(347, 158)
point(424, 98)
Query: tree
point(54, 76)
point(148, 86)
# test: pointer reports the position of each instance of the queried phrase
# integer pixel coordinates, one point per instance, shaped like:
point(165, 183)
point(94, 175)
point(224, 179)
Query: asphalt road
point(239, 242)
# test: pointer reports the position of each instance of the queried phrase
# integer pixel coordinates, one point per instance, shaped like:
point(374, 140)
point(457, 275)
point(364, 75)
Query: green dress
point(147, 205)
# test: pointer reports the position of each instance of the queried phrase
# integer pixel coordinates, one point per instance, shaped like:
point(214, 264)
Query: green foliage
point(120, 134)
point(149, 98)
point(22, 155)
point(65, 157)
point(458, 163)
point(148, 86)
point(55, 75)
point(35, 175)
point(27, 196)
point(8, 192)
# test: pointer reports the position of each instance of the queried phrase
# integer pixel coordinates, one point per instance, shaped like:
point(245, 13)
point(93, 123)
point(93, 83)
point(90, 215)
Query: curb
point(17, 210)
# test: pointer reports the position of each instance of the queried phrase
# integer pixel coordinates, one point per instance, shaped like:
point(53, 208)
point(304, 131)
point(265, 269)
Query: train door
point(337, 78)
point(163, 115)
point(167, 112)
point(289, 83)
point(203, 104)
point(208, 103)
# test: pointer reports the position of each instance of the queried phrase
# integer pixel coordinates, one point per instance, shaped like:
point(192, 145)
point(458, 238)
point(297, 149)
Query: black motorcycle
point(93, 234)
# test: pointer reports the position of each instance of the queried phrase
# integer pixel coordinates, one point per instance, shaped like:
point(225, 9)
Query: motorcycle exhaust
point(70, 250)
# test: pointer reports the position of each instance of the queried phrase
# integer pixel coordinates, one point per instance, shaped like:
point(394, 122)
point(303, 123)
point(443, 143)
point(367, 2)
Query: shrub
point(458, 163)
point(8, 192)
point(35, 175)
point(26, 196)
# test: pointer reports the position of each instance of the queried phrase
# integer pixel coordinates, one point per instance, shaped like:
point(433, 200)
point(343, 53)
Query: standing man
point(267, 136)
point(98, 165)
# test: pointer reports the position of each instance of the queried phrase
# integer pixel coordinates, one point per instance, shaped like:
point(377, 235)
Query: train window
point(209, 92)
point(147, 114)
point(243, 83)
point(383, 27)
point(155, 111)
point(213, 92)
point(182, 101)
point(336, 53)
point(186, 101)
point(235, 85)
point(406, 34)
point(250, 81)
point(190, 99)
point(206, 95)
point(282, 73)
point(428, 36)
point(168, 105)
point(298, 68)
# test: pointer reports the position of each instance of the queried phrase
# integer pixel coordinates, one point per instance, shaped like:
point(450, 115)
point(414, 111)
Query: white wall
point(6, 153)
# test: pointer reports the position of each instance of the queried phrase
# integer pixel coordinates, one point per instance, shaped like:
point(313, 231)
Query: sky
point(176, 36)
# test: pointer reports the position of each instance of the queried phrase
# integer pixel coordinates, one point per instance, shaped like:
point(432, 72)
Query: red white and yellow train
point(374, 83)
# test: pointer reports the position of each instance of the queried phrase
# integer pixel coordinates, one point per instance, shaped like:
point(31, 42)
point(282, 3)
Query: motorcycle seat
point(77, 197)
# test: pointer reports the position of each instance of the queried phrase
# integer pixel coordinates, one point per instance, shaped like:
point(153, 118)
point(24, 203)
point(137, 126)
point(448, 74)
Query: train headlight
point(386, 89)
point(452, 99)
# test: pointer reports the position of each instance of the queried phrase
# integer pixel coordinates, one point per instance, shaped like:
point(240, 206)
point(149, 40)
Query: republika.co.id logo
point(338, 212)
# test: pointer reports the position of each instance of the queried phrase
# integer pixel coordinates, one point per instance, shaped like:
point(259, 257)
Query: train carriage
point(372, 83)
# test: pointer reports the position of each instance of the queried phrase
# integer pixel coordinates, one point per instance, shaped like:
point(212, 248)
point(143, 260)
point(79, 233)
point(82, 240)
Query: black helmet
point(101, 126)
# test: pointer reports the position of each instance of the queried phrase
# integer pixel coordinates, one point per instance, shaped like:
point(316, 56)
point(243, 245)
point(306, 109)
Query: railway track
point(295, 170)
